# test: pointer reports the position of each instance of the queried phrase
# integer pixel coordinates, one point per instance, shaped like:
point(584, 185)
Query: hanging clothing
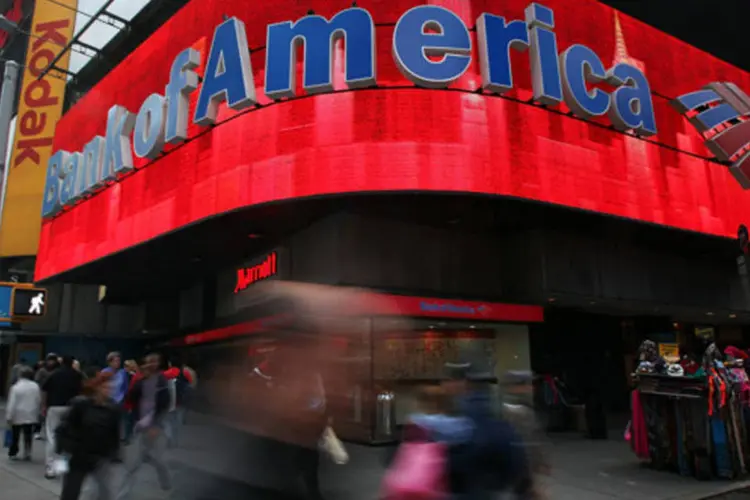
point(638, 430)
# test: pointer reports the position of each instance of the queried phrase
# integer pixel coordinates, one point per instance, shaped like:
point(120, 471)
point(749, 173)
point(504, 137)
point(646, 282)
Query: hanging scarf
point(638, 429)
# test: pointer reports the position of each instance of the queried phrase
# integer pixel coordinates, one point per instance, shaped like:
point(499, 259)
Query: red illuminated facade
point(398, 138)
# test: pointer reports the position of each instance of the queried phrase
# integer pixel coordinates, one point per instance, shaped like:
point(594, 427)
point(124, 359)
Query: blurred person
point(50, 365)
point(119, 383)
point(517, 389)
point(90, 435)
point(15, 371)
point(23, 411)
point(436, 414)
point(131, 368)
point(39, 426)
point(149, 400)
point(494, 460)
point(133, 371)
point(180, 388)
point(422, 469)
point(58, 390)
point(301, 390)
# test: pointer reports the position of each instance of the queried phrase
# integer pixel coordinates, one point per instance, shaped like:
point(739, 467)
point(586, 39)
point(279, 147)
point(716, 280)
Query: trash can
point(385, 417)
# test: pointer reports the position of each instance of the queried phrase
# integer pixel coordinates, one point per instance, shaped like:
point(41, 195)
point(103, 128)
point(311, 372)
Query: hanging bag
point(8, 438)
point(332, 446)
point(418, 473)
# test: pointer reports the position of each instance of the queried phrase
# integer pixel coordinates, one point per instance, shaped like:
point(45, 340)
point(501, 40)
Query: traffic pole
point(7, 102)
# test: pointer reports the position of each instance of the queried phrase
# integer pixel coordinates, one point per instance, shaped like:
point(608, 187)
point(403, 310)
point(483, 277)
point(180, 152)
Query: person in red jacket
point(134, 375)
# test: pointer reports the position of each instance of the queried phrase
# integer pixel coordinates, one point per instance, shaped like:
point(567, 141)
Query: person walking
point(43, 370)
point(22, 412)
point(119, 383)
point(90, 435)
point(495, 460)
point(133, 372)
point(180, 384)
point(59, 389)
point(149, 399)
point(15, 371)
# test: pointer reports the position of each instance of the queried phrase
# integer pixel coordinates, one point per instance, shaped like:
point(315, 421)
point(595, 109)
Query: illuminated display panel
point(398, 137)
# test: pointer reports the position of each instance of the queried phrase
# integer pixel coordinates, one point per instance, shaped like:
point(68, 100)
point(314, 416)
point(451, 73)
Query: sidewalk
point(217, 463)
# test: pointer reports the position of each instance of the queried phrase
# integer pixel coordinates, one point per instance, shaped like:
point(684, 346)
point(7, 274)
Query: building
point(538, 214)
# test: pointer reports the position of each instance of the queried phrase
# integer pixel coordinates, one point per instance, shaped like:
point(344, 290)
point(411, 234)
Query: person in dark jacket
point(149, 400)
point(495, 459)
point(90, 435)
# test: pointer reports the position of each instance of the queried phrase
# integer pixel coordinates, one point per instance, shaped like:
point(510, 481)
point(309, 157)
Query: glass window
point(103, 30)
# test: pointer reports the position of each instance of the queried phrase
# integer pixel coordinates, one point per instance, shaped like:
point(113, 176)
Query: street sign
point(29, 303)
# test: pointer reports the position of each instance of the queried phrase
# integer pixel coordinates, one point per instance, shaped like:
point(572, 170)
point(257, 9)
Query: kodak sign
point(40, 107)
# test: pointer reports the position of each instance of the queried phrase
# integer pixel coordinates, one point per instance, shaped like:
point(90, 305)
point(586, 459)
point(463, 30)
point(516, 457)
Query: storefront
point(377, 354)
point(427, 158)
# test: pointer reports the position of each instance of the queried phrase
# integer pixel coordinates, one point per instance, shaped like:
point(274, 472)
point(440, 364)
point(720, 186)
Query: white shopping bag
point(60, 466)
point(331, 445)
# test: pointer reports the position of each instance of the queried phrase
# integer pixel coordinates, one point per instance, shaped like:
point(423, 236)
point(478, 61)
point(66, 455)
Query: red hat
point(735, 353)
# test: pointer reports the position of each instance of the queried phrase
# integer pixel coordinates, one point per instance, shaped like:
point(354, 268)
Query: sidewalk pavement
point(214, 462)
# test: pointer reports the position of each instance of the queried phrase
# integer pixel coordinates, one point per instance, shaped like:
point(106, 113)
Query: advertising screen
point(395, 136)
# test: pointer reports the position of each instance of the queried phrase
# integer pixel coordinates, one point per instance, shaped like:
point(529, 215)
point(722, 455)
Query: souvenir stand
point(689, 418)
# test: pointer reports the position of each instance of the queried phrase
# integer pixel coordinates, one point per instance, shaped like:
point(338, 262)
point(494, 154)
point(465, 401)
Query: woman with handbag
point(90, 435)
point(22, 413)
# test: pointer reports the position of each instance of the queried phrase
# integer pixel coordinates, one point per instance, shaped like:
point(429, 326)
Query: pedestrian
point(180, 385)
point(90, 435)
point(15, 371)
point(119, 383)
point(303, 390)
point(59, 389)
point(133, 372)
point(22, 412)
point(39, 426)
point(495, 460)
point(149, 399)
point(516, 408)
point(42, 374)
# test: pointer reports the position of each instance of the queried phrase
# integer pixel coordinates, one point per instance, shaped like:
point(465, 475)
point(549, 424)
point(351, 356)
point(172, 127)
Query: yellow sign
point(670, 352)
point(40, 107)
point(706, 333)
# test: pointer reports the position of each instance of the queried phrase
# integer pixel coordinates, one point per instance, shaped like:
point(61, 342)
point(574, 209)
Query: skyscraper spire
point(621, 48)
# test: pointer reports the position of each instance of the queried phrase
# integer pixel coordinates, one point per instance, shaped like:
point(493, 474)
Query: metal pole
point(7, 102)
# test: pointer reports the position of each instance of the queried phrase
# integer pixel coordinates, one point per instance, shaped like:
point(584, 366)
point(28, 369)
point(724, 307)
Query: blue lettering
point(118, 158)
point(495, 39)
point(183, 80)
point(545, 73)
point(89, 177)
point(51, 201)
point(580, 66)
point(632, 108)
point(319, 37)
point(413, 46)
point(69, 174)
point(229, 76)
